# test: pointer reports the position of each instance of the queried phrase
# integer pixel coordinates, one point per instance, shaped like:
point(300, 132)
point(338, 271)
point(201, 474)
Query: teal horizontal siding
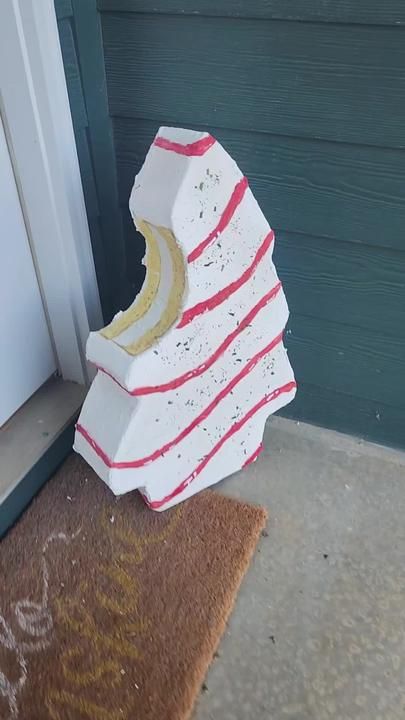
point(344, 283)
point(347, 413)
point(384, 12)
point(341, 358)
point(336, 82)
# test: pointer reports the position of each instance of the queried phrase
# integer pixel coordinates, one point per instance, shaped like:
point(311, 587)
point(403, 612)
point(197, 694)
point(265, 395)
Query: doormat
point(110, 611)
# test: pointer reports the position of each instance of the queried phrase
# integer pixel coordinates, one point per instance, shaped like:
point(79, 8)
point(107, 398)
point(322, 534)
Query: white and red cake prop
point(188, 374)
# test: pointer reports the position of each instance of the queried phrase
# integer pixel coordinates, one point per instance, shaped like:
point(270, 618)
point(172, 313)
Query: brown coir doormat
point(110, 611)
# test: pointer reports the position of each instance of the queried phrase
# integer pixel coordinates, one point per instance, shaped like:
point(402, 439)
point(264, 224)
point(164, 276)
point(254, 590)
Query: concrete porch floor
point(318, 631)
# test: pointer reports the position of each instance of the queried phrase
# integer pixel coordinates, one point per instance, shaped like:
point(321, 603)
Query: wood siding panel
point(346, 413)
point(340, 358)
point(388, 12)
point(344, 282)
point(336, 82)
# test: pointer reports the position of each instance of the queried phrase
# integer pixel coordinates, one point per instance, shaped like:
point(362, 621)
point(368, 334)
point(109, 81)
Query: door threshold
point(34, 442)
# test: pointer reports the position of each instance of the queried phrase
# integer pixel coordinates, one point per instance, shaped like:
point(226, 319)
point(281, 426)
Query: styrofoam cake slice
point(190, 371)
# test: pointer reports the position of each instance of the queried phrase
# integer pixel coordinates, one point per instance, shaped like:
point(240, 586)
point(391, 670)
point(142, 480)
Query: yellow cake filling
point(148, 293)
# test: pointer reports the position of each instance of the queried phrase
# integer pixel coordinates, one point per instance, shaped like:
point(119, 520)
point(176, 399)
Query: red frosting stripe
point(253, 456)
point(194, 149)
point(200, 369)
point(226, 217)
point(225, 292)
point(140, 462)
point(288, 387)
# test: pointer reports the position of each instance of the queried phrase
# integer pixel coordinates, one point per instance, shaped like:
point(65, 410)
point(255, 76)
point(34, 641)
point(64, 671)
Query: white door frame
point(35, 109)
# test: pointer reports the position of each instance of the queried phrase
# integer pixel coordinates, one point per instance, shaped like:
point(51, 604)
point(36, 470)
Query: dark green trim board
point(72, 72)
point(15, 503)
point(82, 50)
point(90, 50)
point(63, 9)
point(309, 98)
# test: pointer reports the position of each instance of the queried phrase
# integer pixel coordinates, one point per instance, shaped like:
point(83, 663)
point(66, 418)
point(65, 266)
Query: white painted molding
point(36, 114)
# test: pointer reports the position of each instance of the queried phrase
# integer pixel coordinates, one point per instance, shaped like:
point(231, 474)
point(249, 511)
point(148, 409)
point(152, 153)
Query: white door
point(26, 354)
